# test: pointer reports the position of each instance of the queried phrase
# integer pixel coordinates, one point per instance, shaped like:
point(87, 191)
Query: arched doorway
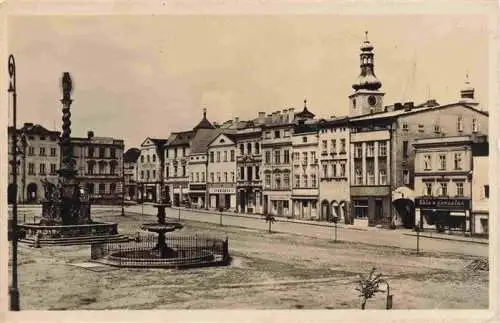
point(32, 192)
point(334, 210)
point(342, 212)
point(11, 194)
point(325, 210)
point(403, 201)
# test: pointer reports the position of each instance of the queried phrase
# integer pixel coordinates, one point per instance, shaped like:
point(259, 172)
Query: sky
point(146, 76)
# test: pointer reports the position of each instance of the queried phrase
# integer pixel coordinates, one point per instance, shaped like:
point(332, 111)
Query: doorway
point(32, 192)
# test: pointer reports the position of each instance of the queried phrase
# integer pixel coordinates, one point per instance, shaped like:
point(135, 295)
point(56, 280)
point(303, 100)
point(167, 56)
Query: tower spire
point(367, 79)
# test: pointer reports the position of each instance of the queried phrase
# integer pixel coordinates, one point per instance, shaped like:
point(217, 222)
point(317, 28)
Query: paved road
point(374, 237)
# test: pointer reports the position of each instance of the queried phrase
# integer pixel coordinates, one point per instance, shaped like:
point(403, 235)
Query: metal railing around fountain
point(189, 251)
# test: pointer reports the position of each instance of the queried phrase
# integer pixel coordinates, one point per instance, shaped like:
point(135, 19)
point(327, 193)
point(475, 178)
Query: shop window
point(361, 209)
point(487, 191)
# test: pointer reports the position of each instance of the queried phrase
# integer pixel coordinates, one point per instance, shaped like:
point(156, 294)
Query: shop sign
point(442, 204)
point(197, 187)
point(222, 190)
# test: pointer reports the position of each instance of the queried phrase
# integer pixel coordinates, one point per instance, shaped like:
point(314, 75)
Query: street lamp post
point(14, 291)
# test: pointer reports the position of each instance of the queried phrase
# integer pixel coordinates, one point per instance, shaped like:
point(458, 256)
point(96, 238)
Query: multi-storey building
point(382, 157)
point(305, 171)
point(480, 187)
point(221, 172)
point(443, 177)
point(148, 170)
point(38, 159)
point(198, 163)
point(176, 156)
point(248, 166)
point(130, 174)
point(276, 166)
point(333, 143)
point(99, 165)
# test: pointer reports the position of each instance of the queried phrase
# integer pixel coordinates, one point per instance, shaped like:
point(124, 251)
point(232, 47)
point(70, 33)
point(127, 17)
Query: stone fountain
point(66, 216)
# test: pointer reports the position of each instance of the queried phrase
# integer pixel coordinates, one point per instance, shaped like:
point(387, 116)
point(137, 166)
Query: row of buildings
point(99, 164)
point(364, 167)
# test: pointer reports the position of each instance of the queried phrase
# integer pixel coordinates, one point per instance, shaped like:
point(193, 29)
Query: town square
point(256, 162)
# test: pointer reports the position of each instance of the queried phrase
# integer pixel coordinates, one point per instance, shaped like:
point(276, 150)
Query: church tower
point(366, 97)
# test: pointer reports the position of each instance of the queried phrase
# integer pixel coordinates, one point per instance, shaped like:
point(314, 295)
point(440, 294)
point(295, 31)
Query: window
point(442, 162)
point(112, 188)
point(276, 157)
point(297, 181)
point(342, 146)
point(358, 151)
point(102, 188)
point(475, 126)
point(31, 151)
point(460, 124)
point(203, 176)
point(444, 189)
point(382, 177)
point(232, 177)
point(197, 177)
point(249, 173)
point(53, 152)
point(458, 161)
point(90, 155)
point(460, 189)
point(324, 144)
point(361, 209)
point(91, 166)
point(437, 128)
point(31, 169)
point(405, 149)
point(325, 170)
point(371, 176)
point(313, 181)
point(304, 178)
point(147, 174)
point(249, 148)
point(342, 170)
point(257, 175)
point(175, 171)
point(427, 162)
point(277, 181)
point(334, 146)
point(166, 153)
point(183, 171)
point(406, 177)
point(232, 155)
point(334, 172)
point(428, 189)
point(358, 176)
point(486, 191)
point(370, 149)
point(102, 153)
point(102, 171)
point(112, 169)
point(304, 139)
point(183, 151)
point(212, 177)
point(296, 156)
point(242, 173)
point(218, 156)
point(53, 169)
point(192, 176)
point(211, 156)
point(286, 181)
point(286, 157)
point(154, 158)
point(257, 148)
point(276, 134)
point(405, 126)
point(225, 177)
point(218, 177)
point(421, 128)
point(142, 172)
point(304, 158)
point(175, 153)
point(382, 148)
point(225, 156)
point(268, 157)
point(42, 151)
point(268, 180)
point(167, 171)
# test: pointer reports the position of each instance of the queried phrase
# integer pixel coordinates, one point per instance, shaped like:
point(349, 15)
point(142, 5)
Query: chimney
point(262, 115)
point(398, 106)
point(291, 114)
point(408, 106)
point(90, 134)
point(28, 124)
point(286, 117)
point(236, 120)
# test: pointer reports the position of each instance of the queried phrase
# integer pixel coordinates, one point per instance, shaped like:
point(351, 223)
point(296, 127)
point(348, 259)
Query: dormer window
point(405, 126)
point(304, 139)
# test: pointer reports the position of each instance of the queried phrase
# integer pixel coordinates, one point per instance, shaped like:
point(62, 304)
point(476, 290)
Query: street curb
point(278, 219)
point(444, 238)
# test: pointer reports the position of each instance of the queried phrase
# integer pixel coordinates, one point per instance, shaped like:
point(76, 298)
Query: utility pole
point(14, 291)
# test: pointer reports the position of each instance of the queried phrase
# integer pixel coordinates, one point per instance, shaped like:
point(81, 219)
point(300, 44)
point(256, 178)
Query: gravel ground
point(268, 271)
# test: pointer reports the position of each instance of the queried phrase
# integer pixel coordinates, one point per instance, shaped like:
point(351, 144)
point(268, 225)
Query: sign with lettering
point(197, 187)
point(442, 203)
point(222, 190)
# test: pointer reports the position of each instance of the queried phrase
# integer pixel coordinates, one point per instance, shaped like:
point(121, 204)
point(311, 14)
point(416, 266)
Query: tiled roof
point(180, 138)
point(131, 155)
point(34, 129)
point(199, 143)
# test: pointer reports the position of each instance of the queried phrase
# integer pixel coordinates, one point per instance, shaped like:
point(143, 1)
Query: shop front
point(222, 198)
point(197, 195)
point(249, 200)
point(443, 213)
point(181, 195)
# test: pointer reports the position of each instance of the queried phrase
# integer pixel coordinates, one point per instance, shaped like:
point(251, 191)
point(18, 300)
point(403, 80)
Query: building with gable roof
point(130, 174)
point(149, 169)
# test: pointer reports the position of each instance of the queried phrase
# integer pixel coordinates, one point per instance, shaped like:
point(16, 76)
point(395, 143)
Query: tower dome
point(367, 80)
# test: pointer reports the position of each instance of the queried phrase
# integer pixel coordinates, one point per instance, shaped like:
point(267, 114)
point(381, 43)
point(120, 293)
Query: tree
point(369, 286)
point(270, 219)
